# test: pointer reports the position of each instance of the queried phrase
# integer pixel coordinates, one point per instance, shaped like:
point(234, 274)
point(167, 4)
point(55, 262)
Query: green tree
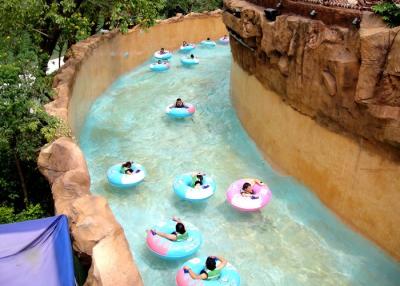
point(389, 11)
point(8, 215)
point(187, 6)
point(68, 21)
point(24, 127)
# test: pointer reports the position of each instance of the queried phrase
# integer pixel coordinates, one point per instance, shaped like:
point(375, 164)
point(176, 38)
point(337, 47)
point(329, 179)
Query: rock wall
point(344, 77)
point(98, 239)
point(346, 80)
point(92, 65)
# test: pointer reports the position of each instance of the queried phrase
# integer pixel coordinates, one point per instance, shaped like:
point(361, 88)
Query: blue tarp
point(36, 252)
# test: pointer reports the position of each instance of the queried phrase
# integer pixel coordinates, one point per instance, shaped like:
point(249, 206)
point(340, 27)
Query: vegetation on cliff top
point(31, 30)
point(389, 11)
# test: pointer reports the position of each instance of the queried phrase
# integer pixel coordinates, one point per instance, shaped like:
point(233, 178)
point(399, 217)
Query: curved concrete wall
point(92, 66)
point(355, 179)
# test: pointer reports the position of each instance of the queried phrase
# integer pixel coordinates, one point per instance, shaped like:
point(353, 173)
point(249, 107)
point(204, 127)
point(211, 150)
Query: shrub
point(389, 11)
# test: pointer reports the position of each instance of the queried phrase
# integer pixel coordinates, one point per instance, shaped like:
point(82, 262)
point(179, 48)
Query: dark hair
point(208, 39)
point(200, 178)
point(178, 99)
point(211, 264)
point(192, 56)
point(127, 164)
point(180, 228)
point(197, 183)
point(245, 186)
point(162, 49)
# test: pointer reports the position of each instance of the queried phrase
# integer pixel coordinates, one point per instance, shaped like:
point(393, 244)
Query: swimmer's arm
point(223, 262)
point(166, 235)
point(194, 275)
point(177, 219)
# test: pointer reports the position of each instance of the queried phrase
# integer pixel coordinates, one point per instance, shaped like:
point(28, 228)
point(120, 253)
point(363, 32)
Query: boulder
point(91, 221)
point(118, 268)
point(59, 157)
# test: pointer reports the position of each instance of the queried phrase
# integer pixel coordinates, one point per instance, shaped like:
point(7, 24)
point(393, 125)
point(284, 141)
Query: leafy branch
point(389, 11)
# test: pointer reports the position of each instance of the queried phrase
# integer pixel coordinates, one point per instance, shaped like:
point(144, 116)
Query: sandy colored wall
point(353, 178)
point(121, 53)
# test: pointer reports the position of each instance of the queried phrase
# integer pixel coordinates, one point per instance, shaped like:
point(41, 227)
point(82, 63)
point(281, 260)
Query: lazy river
point(294, 240)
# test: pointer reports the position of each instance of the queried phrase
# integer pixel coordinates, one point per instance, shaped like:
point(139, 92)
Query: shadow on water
point(157, 263)
point(185, 206)
point(250, 219)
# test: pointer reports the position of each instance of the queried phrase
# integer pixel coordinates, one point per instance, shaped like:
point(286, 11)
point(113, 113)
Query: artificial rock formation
point(344, 77)
point(98, 239)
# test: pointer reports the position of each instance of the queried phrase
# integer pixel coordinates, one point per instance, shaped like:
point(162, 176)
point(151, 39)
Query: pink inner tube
point(157, 244)
point(247, 204)
point(191, 109)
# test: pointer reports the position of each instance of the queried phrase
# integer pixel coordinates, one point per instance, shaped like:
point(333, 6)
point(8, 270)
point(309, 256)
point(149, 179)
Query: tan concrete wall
point(121, 53)
point(353, 178)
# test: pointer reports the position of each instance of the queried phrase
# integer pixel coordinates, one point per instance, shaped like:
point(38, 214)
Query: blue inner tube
point(189, 61)
point(167, 55)
point(183, 188)
point(124, 181)
point(173, 250)
point(180, 112)
point(229, 274)
point(209, 44)
point(224, 41)
point(187, 48)
point(159, 67)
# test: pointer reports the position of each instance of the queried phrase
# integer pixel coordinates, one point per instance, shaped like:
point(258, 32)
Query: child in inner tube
point(197, 181)
point(162, 51)
point(210, 271)
point(179, 234)
point(247, 189)
point(179, 104)
point(126, 168)
point(184, 44)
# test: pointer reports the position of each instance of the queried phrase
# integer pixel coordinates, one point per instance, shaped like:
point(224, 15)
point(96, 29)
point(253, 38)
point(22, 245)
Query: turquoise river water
point(294, 240)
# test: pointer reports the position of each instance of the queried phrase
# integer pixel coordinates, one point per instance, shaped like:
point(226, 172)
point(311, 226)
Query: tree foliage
point(24, 126)
point(187, 6)
point(389, 11)
point(8, 215)
point(69, 21)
